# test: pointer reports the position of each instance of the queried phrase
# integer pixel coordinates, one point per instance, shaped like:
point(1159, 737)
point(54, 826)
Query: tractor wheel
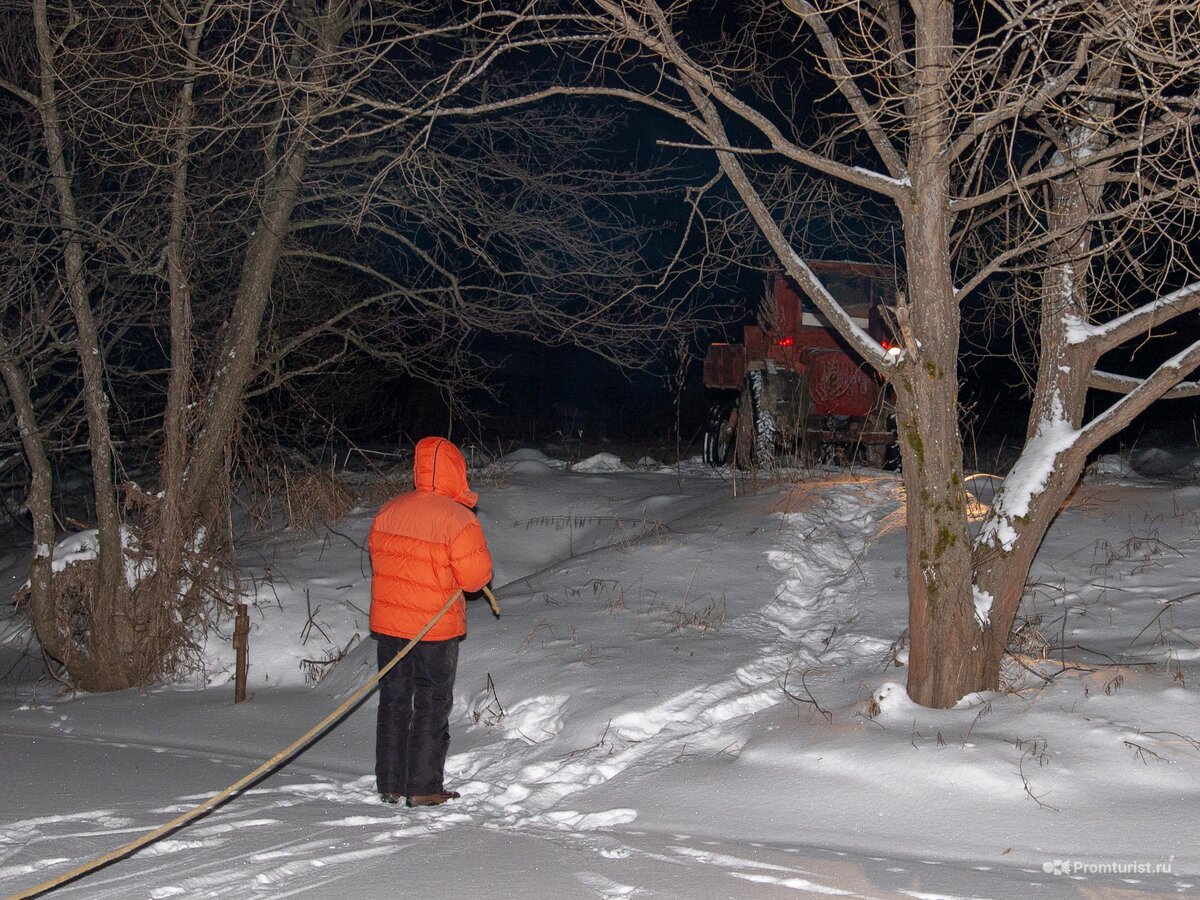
point(719, 434)
point(756, 431)
point(766, 429)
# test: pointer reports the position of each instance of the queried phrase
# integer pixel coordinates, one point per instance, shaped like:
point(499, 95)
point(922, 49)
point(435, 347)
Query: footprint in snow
point(606, 888)
point(535, 719)
point(569, 820)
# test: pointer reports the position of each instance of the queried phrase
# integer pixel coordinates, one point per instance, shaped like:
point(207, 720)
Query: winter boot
point(432, 799)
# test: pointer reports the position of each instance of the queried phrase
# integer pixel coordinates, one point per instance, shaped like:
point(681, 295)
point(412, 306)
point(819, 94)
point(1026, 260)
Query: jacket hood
point(439, 467)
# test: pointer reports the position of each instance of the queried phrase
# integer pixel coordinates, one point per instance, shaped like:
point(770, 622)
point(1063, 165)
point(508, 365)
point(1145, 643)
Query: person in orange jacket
point(425, 545)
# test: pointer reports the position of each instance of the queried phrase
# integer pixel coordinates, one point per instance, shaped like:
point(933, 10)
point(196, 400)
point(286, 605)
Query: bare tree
point(1112, 224)
point(1028, 151)
point(218, 197)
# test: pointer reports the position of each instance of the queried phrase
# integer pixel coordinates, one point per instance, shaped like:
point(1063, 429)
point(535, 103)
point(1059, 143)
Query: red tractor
point(799, 388)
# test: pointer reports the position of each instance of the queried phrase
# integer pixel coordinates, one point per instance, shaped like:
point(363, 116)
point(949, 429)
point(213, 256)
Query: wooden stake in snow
point(241, 644)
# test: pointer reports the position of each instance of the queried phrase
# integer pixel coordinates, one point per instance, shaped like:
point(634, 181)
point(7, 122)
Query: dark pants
point(412, 734)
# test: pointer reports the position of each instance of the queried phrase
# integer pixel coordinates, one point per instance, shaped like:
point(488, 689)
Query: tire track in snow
point(822, 544)
point(820, 559)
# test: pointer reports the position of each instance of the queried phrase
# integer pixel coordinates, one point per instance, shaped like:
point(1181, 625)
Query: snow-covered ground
point(695, 691)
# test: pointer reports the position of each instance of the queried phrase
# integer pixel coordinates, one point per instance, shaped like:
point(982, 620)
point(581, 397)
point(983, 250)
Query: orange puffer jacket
point(425, 545)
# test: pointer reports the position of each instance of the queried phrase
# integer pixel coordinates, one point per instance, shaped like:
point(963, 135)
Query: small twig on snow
point(828, 716)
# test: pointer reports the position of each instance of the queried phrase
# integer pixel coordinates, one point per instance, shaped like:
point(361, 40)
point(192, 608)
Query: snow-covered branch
point(1028, 477)
point(1107, 335)
point(1165, 377)
point(1123, 384)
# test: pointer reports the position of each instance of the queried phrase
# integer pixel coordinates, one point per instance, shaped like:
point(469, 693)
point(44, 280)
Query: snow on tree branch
point(1123, 384)
point(1028, 477)
point(1117, 331)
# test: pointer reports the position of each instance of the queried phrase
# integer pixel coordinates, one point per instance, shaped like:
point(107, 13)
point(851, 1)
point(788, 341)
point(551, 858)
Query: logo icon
point(1057, 867)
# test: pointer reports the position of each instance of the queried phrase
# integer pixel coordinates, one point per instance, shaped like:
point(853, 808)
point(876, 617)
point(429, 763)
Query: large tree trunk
point(1005, 554)
point(235, 366)
point(172, 529)
point(110, 643)
point(43, 609)
point(943, 660)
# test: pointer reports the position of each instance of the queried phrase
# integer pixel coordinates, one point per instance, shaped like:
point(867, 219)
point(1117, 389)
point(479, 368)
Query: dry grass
point(388, 483)
point(486, 470)
point(488, 709)
point(872, 708)
point(166, 644)
point(706, 618)
point(1027, 647)
point(315, 497)
point(71, 591)
point(316, 669)
point(1028, 640)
